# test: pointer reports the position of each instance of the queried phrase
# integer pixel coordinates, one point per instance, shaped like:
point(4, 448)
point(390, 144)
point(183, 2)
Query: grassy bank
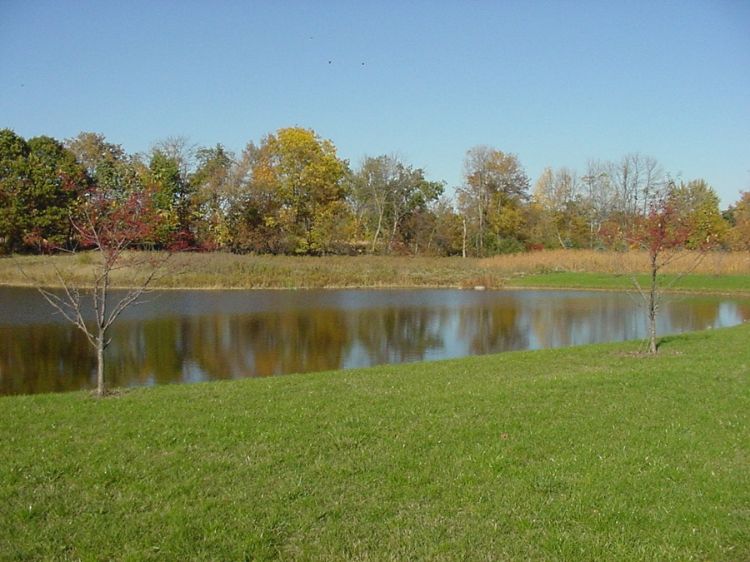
point(694, 283)
point(589, 453)
point(722, 272)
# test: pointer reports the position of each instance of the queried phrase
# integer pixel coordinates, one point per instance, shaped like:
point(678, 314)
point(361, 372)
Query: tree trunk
point(652, 308)
point(394, 231)
point(463, 240)
point(100, 389)
point(377, 231)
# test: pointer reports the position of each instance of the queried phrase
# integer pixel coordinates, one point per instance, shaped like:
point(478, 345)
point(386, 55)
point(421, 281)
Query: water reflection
point(186, 336)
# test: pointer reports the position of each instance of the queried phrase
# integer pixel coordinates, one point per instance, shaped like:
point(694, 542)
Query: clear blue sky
point(556, 83)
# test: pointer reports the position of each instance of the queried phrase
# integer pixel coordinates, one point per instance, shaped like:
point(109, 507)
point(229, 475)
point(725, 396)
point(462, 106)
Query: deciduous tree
point(665, 233)
point(211, 186)
point(495, 187)
point(14, 184)
point(739, 234)
point(55, 186)
point(296, 186)
point(110, 227)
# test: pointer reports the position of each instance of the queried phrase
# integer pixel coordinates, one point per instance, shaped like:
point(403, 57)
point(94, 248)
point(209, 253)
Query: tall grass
point(594, 261)
point(223, 270)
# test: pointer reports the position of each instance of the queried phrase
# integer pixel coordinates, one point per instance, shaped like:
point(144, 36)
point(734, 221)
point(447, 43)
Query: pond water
point(190, 336)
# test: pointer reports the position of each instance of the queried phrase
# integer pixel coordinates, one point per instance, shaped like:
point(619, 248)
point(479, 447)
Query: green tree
point(171, 197)
point(14, 180)
point(107, 165)
point(56, 181)
point(39, 186)
point(211, 186)
point(698, 205)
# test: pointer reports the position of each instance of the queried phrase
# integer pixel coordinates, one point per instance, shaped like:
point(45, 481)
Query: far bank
point(720, 272)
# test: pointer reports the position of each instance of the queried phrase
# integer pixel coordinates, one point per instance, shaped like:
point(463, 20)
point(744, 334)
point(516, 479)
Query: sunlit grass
point(589, 453)
point(595, 261)
point(224, 270)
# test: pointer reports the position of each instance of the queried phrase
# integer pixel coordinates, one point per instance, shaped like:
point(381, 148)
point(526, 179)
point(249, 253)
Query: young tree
point(111, 227)
point(665, 233)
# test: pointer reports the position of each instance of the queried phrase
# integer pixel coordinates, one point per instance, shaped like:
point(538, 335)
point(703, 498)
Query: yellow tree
point(306, 179)
point(698, 203)
point(739, 235)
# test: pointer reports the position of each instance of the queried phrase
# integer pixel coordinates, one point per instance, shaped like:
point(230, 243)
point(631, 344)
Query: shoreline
point(395, 287)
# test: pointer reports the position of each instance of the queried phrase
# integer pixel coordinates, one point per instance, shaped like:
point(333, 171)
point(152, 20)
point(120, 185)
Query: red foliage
point(663, 229)
point(112, 223)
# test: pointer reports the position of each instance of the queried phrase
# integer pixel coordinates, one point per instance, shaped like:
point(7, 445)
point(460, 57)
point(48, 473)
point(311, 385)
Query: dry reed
point(594, 261)
point(223, 270)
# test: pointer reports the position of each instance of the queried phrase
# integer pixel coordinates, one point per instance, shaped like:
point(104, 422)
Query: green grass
point(589, 453)
point(732, 284)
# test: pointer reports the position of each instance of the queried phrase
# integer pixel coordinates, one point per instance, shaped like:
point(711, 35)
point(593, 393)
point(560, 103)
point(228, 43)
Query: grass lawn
point(590, 453)
point(730, 284)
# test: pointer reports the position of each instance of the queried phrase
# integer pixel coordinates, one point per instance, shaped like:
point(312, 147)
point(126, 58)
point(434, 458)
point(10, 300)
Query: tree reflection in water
point(188, 337)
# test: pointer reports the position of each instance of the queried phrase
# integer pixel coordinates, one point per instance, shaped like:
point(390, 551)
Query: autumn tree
point(393, 199)
point(665, 233)
point(698, 204)
point(211, 185)
point(739, 234)
point(561, 216)
point(371, 193)
point(110, 227)
point(294, 194)
point(495, 188)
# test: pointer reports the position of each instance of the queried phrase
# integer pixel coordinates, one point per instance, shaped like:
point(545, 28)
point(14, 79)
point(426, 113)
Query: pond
point(190, 336)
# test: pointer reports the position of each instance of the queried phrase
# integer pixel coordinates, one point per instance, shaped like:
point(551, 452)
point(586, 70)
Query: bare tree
point(111, 228)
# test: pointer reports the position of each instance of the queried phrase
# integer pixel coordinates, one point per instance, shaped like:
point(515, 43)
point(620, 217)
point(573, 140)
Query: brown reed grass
point(227, 271)
point(594, 261)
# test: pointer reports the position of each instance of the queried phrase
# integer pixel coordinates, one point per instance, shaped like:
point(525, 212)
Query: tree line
point(293, 194)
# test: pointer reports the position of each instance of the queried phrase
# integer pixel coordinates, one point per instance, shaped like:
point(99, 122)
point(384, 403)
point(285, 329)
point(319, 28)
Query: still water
point(190, 336)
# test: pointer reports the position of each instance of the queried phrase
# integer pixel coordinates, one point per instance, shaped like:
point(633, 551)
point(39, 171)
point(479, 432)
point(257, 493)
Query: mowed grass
point(698, 283)
point(588, 453)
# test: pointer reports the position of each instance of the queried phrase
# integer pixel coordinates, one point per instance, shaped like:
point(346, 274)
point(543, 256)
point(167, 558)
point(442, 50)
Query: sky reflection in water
point(191, 336)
